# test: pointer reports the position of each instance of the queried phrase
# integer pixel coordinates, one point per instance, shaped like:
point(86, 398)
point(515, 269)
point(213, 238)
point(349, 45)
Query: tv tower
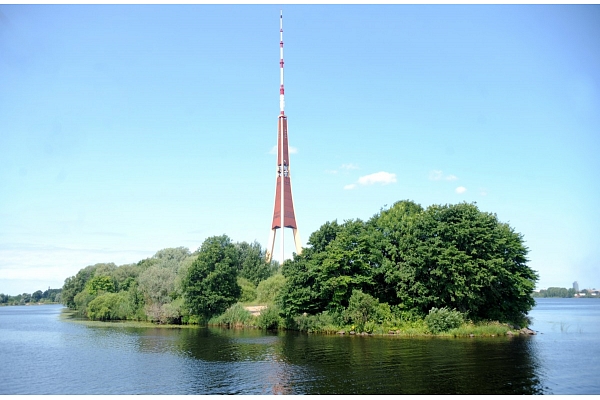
point(283, 213)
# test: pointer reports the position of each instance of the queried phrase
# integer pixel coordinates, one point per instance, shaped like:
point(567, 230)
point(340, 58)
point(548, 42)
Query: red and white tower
point(283, 213)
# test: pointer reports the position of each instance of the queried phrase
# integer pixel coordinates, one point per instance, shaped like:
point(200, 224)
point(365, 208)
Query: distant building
point(576, 286)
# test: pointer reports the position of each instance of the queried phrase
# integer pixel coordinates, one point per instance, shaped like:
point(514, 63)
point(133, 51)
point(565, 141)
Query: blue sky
point(128, 129)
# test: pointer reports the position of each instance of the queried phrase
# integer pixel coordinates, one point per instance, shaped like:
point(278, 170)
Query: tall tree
point(456, 256)
point(451, 256)
point(211, 282)
point(252, 264)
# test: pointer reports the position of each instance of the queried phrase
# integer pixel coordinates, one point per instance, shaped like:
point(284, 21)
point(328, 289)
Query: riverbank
point(268, 318)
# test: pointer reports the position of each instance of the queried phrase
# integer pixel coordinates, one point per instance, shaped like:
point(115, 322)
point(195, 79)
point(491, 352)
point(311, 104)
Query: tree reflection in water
point(250, 361)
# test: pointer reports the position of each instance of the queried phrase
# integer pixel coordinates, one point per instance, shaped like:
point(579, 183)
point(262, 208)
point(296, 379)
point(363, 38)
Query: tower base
point(271, 244)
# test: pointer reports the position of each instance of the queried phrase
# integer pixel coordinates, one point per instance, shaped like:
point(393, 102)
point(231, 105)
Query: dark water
point(41, 353)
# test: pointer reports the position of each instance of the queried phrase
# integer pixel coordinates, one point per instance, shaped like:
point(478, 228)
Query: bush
point(269, 318)
point(248, 290)
point(364, 308)
point(268, 289)
point(109, 306)
point(442, 319)
point(322, 323)
point(236, 315)
point(81, 301)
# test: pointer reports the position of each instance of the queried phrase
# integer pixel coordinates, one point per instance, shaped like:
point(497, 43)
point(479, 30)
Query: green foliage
point(443, 319)
point(268, 290)
point(136, 301)
point(452, 256)
point(251, 262)
point(483, 328)
point(339, 259)
point(325, 322)
point(47, 296)
point(211, 282)
point(236, 315)
point(100, 283)
point(363, 309)
point(248, 290)
point(124, 276)
point(269, 318)
point(458, 257)
point(109, 306)
point(36, 296)
point(555, 292)
point(157, 282)
point(174, 254)
point(75, 285)
point(81, 300)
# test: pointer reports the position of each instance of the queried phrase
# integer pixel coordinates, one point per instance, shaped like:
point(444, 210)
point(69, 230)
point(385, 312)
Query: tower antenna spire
point(283, 214)
point(281, 87)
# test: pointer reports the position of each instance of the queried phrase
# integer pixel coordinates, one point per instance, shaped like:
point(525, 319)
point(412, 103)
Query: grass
point(418, 328)
point(493, 328)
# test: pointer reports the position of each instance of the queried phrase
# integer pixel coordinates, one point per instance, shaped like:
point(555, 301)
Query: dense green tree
point(104, 269)
point(363, 307)
point(211, 282)
point(109, 306)
point(177, 254)
point(25, 298)
point(36, 296)
point(157, 283)
point(124, 275)
point(555, 292)
point(248, 290)
point(51, 294)
point(452, 256)
point(75, 284)
point(99, 283)
point(337, 260)
point(268, 290)
point(455, 256)
point(251, 262)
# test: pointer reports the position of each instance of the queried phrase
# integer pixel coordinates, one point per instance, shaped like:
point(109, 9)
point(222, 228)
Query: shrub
point(269, 318)
point(324, 322)
point(248, 290)
point(81, 301)
point(236, 315)
point(109, 306)
point(268, 289)
point(442, 319)
point(363, 308)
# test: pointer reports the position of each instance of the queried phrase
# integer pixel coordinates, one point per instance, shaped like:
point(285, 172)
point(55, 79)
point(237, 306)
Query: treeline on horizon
point(46, 297)
point(562, 293)
point(444, 265)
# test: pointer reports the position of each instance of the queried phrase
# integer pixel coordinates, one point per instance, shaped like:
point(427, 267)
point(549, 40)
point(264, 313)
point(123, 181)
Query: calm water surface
point(43, 353)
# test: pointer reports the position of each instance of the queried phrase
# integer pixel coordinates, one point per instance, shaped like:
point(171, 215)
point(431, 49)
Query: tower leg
point(297, 242)
point(270, 245)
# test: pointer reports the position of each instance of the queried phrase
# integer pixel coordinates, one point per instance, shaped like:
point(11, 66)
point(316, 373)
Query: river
point(43, 353)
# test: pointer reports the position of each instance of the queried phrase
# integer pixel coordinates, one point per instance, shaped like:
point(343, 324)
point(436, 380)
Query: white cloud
point(460, 189)
point(291, 150)
point(378, 177)
point(437, 175)
point(381, 177)
point(349, 166)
